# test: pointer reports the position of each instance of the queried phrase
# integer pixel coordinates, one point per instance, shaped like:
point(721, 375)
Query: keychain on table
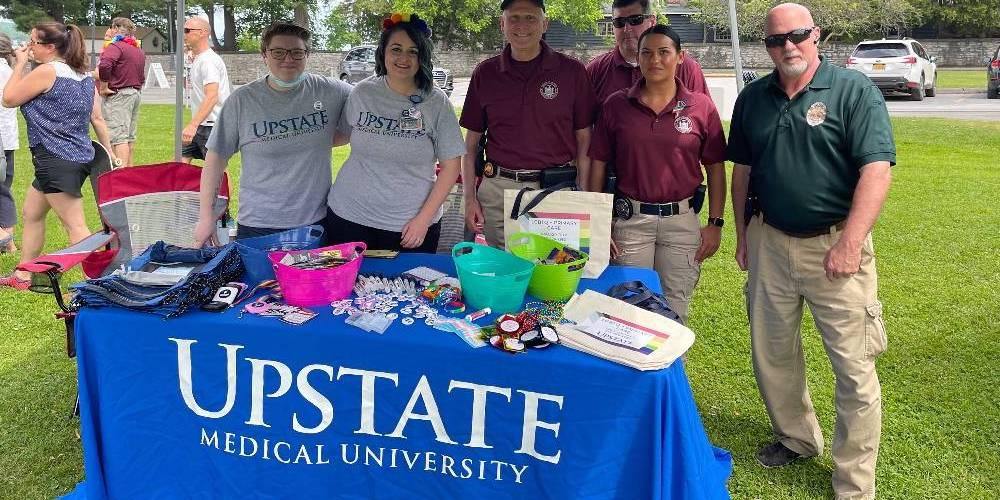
point(411, 120)
point(261, 305)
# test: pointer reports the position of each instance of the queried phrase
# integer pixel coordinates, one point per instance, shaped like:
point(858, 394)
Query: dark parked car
point(359, 63)
point(993, 76)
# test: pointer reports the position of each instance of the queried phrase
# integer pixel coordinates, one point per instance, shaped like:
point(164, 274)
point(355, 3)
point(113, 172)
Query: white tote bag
point(577, 219)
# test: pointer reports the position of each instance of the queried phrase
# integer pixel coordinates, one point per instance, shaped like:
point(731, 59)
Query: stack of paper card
point(618, 331)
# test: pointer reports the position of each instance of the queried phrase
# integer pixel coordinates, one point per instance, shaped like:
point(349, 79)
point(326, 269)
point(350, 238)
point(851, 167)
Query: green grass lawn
point(969, 79)
point(937, 244)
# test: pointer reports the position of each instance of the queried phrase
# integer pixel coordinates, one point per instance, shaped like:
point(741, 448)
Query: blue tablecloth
point(212, 405)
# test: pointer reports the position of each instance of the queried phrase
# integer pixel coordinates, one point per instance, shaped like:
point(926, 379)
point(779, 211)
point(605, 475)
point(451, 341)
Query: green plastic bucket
point(491, 278)
point(549, 281)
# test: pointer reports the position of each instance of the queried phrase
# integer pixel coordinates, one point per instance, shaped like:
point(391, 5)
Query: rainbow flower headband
point(131, 40)
point(398, 17)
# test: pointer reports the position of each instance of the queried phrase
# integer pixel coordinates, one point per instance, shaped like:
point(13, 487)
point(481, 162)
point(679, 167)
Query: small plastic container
point(254, 251)
point(491, 278)
point(316, 287)
point(549, 281)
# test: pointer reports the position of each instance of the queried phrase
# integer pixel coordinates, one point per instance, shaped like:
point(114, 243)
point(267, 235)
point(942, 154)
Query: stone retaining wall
point(246, 67)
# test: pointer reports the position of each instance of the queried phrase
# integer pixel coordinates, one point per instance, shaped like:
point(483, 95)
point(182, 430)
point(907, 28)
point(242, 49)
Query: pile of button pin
point(378, 296)
point(515, 333)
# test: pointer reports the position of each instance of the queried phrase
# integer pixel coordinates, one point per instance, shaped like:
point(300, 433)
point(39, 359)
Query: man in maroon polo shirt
point(659, 135)
point(122, 66)
point(618, 68)
point(535, 106)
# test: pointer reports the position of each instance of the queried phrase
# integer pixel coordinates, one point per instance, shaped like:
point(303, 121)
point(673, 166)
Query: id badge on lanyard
point(411, 119)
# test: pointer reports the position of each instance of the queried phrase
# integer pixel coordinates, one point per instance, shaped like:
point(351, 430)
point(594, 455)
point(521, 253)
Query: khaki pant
point(784, 272)
point(491, 200)
point(121, 112)
point(666, 244)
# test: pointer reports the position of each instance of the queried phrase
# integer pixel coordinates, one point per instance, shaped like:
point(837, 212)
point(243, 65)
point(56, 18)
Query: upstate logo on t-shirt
point(283, 128)
point(373, 123)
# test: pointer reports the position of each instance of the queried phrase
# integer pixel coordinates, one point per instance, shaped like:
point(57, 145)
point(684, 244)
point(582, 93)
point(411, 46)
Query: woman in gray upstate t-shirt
point(387, 194)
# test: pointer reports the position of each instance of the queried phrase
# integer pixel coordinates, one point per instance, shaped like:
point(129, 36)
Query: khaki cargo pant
point(491, 200)
point(121, 112)
point(666, 244)
point(783, 272)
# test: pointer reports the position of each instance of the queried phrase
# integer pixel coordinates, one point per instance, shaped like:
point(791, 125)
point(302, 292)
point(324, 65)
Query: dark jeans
point(244, 232)
point(8, 209)
point(340, 230)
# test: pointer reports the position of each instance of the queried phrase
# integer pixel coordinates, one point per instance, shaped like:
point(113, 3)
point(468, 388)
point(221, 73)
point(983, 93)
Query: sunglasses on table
point(633, 20)
point(796, 36)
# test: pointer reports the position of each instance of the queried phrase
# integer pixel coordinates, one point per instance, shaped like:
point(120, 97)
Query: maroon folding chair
point(138, 206)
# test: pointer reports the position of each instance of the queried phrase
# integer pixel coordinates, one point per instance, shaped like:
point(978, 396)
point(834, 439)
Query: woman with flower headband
point(57, 99)
point(388, 194)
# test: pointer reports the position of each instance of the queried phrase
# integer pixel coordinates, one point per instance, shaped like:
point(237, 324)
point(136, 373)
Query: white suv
point(897, 66)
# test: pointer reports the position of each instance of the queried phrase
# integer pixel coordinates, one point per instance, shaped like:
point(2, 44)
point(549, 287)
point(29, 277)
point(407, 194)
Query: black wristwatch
point(716, 221)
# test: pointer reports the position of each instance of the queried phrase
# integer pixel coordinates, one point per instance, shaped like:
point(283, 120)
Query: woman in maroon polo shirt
point(658, 134)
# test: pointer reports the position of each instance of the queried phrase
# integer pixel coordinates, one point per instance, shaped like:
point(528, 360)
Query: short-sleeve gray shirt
point(285, 141)
point(390, 171)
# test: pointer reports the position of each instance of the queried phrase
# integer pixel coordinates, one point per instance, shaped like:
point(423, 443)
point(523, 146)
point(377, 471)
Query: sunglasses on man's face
point(796, 36)
point(188, 30)
point(633, 20)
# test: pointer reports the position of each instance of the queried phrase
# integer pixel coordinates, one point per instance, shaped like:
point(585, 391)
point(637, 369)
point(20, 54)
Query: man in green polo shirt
point(813, 146)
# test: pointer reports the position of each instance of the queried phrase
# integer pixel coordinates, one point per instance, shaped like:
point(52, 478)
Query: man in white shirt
point(209, 88)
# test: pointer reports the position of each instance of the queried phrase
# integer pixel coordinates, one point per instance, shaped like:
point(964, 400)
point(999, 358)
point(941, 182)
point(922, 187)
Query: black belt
point(660, 209)
point(518, 175)
point(811, 234)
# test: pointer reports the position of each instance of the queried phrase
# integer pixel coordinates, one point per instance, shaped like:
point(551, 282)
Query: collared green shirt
point(805, 154)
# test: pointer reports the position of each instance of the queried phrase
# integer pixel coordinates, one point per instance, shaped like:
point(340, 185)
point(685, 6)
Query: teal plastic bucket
point(491, 278)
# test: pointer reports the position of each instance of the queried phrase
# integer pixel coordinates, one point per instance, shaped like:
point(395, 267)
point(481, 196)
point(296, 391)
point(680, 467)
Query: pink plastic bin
point(316, 287)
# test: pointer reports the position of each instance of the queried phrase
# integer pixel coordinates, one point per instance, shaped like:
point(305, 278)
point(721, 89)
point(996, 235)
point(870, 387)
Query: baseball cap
point(506, 3)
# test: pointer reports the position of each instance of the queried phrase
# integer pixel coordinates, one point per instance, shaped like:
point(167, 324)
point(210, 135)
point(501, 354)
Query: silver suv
point(359, 63)
point(897, 66)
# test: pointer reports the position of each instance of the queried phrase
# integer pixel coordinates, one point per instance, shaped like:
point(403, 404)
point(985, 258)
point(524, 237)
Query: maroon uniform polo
point(609, 72)
point(122, 66)
point(658, 156)
point(530, 112)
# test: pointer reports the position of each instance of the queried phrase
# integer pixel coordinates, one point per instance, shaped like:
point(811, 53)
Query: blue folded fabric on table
point(202, 272)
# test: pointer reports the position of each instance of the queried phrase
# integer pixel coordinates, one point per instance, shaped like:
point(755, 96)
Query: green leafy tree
point(340, 34)
point(841, 19)
point(456, 24)
point(978, 18)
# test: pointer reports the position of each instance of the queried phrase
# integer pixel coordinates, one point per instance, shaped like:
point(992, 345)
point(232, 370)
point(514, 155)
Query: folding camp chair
point(453, 229)
point(138, 206)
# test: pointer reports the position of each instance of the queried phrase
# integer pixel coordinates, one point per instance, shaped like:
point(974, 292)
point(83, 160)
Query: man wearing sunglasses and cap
point(535, 106)
point(618, 68)
point(813, 145)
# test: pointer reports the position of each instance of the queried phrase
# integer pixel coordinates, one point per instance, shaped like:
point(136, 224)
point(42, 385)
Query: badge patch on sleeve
point(816, 114)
